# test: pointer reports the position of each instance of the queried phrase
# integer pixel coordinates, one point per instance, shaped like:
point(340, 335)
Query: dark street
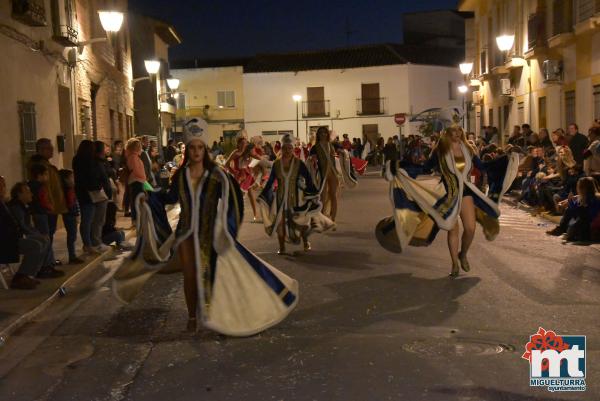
point(370, 325)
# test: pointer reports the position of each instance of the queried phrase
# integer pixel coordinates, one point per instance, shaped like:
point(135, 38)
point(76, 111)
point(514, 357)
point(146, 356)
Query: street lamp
point(111, 20)
point(152, 67)
point(297, 99)
point(505, 43)
point(466, 68)
point(173, 83)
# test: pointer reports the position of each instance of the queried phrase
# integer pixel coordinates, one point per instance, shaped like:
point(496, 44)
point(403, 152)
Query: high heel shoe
point(455, 270)
point(307, 246)
point(464, 263)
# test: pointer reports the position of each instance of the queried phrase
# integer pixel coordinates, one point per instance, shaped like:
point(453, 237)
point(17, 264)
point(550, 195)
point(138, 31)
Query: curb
point(6, 332)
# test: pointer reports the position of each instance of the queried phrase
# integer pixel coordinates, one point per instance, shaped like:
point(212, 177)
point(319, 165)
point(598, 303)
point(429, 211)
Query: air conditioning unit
point(505, 87)
point(552, 70)
point(476, 97)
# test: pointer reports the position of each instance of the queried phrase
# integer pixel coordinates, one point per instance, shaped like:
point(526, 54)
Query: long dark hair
point(86, 150)
point(99, 148)
point(320, 131)
point(587, 189)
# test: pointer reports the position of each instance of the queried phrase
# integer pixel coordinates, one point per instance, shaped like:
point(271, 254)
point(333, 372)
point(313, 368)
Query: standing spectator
point(30, 240)
point(515, 138)
point(577, 142)
point(147, 160)
point(85, 182)
point(117, 162)
point(45, 152)
point(346, 144)
point(100, 203)
point(390, 152)
point(70, 218)
point(40, 205)
point(137, 176)
point(170, 150)
point(591, 164)
point(178, 159)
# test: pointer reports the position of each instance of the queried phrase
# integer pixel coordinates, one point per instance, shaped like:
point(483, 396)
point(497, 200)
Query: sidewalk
point(19, 306)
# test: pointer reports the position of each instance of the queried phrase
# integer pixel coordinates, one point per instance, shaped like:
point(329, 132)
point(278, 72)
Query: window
point(597, 101)
point(28, 126)
point(226, 99)
point(85, 119)
point(491, 117)
point(521, 112)
point(505, 118)
point(451, 91)
point(121, 126)
point(181, 101)
point(278, 133)
point(570, 107)
point(129, 126)
point(64, 20)
point(542, 120)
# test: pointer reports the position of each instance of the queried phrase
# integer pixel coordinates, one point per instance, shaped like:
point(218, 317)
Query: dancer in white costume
point(289, 202)
point(227, 287)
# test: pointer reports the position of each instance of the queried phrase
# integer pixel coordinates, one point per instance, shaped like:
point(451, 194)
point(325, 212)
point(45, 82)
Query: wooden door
point(315, 101)
point(370, 99)
point(370, 133)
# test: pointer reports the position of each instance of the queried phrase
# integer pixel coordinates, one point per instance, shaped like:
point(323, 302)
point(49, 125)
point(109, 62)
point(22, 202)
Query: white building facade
point(360, 102)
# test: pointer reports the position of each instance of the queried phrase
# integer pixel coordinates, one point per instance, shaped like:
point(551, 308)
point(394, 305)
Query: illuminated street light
point(152, 66)
point(466, 68)
point(111, 20)
point(463, 89)
point(297, 98)
point(173, 83)
point(505, 42)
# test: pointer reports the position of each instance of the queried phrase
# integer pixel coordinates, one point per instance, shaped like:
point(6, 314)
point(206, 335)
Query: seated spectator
point(581, 214)
point(559, 138)
point(18, 233)
point(110, 234)
point(544, 138)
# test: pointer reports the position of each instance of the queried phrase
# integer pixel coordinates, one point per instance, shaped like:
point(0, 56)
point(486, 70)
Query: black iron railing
point(370, 106)
point(536, 31)
point(315, 108)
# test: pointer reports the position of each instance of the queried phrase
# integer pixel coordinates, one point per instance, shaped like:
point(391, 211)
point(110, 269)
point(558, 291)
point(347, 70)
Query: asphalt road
point(370, 325)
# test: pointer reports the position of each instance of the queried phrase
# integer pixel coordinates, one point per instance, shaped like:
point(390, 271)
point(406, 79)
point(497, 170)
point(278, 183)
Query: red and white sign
point(400, 118)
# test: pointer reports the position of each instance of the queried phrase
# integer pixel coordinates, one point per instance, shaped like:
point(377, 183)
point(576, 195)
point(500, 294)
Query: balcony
point(315, 108)
point(587, 16)
point(29, 12)
point(370, 106)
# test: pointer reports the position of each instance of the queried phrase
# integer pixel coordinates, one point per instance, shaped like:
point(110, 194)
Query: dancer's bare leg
point(190, 285)
point(453, 247)
point(468, 218)
point(281, 236)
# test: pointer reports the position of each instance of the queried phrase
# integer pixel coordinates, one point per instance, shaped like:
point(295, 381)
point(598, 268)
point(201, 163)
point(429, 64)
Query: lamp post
point(173, 84)
point(464, 89)
point(152, 68)
point(297, 99)
point(465, 68)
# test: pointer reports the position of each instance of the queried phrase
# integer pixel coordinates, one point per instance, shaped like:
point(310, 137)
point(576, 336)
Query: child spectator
point(110, 233)
point(70, 218)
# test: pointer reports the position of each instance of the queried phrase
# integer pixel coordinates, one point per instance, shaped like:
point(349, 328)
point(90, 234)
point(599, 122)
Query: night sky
point(236, 28)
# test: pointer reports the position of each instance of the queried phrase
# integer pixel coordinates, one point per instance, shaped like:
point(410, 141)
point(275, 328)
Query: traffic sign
point(400, 118)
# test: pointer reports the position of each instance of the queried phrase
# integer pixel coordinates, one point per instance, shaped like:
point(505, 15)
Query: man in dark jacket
point(578, 143)
point(18, 237)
